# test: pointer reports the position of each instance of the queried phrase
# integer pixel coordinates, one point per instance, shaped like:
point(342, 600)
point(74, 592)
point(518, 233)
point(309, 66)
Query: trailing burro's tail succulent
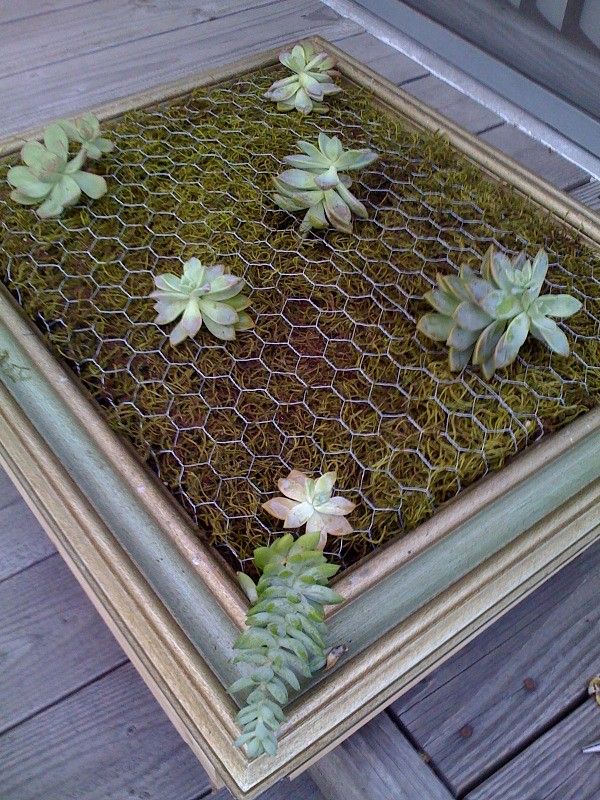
point(486, 319)
point(285, 635)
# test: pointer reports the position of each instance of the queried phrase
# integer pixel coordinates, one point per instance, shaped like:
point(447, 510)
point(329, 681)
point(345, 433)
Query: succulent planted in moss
point(310, 83)
point(309, 502)
point(285, 635)
point(86, 131)
point(202, 295)
point(318, 183)
point(487, 319)
point(50, 178)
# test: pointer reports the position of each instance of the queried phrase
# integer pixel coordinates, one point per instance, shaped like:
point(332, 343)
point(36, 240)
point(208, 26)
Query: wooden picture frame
point(173, 604)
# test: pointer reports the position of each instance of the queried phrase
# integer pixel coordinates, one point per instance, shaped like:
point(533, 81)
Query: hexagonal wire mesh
point(334, 375)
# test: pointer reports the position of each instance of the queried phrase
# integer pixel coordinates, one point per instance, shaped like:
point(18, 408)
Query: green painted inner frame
point(334, 376)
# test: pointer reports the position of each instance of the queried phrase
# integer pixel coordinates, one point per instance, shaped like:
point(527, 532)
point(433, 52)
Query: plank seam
point(31, 564)
point(46, 13)
point(63, 697)
point(498, 765)
point(427, 762)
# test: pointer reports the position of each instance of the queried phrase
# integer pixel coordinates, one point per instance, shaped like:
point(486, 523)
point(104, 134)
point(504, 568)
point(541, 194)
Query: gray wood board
point(109, 741)
point(453, 104)
point(588, 194)
point(509, 684)
point(301, 788)
point(115, 23)
point(65, 87)
point(22, 541)
point(553, 767)
point(8, 491)
point(377, 763)
point(536, 157)
point(52, 641)
point(382, 58)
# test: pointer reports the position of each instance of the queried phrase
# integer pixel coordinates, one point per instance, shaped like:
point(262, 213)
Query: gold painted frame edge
point(193, 697)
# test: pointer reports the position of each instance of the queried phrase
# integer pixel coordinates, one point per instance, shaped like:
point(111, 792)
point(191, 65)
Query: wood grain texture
point(536, 157)
point(588, 194)
point(510, 683)
point(115, 22)
point(553, 767)
point(377, 763)
point(23, 10)
point(109, 741)
point(8, 491)
point(52, 641)
point(22, 541)
point(302, 788)
point(453, 104)
point(93, 78)
point(382, 58)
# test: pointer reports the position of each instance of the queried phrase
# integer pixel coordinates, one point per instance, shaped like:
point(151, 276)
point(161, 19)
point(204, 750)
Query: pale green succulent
point(310, 83)
point(50, 178)
point(318, 183)
point(202, 295)
point(285, 637)
point(86, 131)
point(487, 319)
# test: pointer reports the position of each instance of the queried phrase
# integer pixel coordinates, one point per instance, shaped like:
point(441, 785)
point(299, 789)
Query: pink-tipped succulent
point(308, 501)
point(202, 295)
point(310, 83)
point(318, 183)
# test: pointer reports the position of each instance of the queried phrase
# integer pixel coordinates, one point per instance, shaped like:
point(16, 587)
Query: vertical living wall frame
point(174, 605)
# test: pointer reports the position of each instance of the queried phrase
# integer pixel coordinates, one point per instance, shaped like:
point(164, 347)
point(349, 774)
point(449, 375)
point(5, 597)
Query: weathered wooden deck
point(505, 719)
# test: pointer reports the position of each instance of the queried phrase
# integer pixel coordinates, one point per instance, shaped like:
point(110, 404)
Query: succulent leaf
point(310, 83)
point(486, 319)
point(86, 131)
point(202, 295)
point(50, 178)
point(285, 634)
point(315, 183)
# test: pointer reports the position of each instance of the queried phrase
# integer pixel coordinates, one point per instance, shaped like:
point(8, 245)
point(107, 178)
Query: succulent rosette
point(317, 182)
point(207, 296)
point(308, 501)
point(310, 83)
point(86, 131)
point(50, 178)
point(486, 319)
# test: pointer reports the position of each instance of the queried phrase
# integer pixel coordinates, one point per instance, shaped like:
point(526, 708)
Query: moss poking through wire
point(334, 376)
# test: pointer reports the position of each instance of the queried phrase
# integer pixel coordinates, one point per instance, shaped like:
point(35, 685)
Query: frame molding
point(150, 575)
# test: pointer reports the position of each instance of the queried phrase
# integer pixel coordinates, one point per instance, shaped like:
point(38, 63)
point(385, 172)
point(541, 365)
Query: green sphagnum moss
point(335, 317)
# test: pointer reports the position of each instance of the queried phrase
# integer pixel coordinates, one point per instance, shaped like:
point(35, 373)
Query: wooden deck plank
point(66, 87)
point(377, 763)
point(52, 640)
point(301, 788)
point(108, 741)
point(382, 58)
point(8, 491)
point(538, 158)
point(10, 11)
point(115, 23)
point(553, 767)
point(22, 541)
point(513, 681)
point(453, 104)
point(588, 194)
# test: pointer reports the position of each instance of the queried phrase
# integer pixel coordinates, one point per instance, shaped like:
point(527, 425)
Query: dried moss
point(334, 376)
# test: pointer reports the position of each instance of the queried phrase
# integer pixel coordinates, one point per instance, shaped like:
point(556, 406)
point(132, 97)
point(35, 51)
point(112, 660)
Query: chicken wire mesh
point(334, 375)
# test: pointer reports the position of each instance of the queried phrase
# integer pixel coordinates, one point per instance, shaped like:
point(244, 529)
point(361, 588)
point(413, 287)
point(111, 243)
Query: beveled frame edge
point(385, 669)
point(375, 567)
point(145, 629)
